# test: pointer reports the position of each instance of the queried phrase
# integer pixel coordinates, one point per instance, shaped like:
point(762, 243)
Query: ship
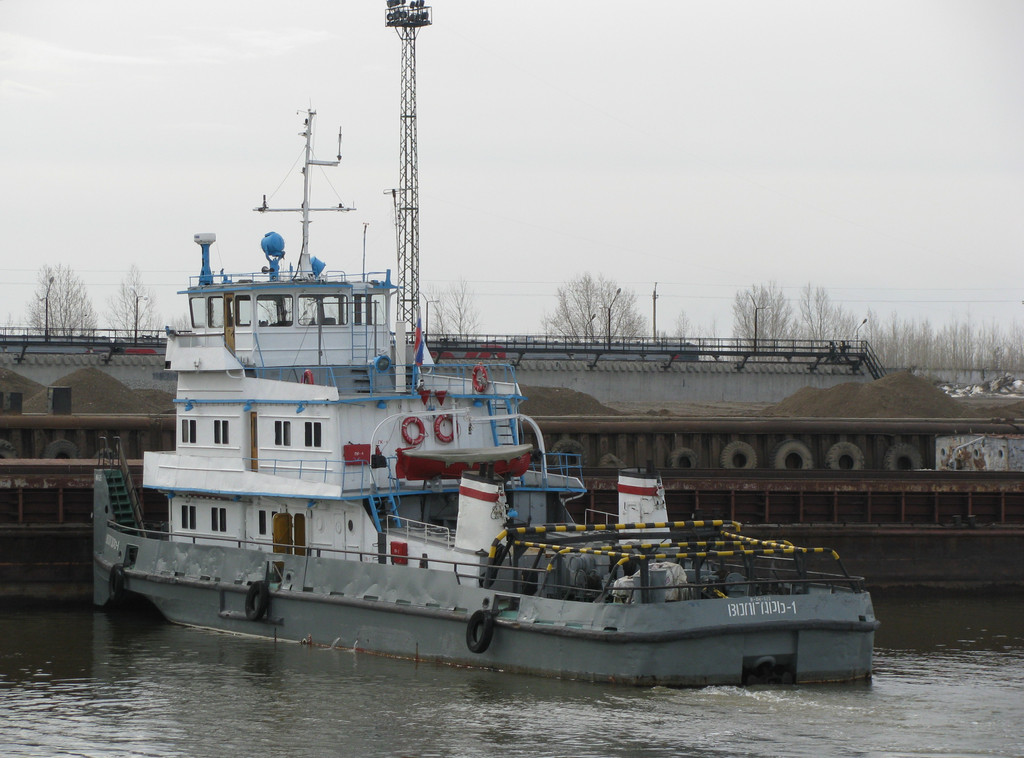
point(332, 486)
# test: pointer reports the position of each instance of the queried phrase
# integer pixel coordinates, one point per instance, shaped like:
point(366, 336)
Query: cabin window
point(262, 522)
point(283, 433)
point(363, 309)
point(197, 309)
point(313, 434)
point(188, 430)
point(274, 310)
point(220, 432)
point(215, 312)
point(188, 517)
point(243, 310)
point(328, 310)
point(219, 519)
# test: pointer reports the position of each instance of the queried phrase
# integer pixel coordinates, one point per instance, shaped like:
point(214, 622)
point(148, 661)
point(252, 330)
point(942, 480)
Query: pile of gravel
point(899, 395)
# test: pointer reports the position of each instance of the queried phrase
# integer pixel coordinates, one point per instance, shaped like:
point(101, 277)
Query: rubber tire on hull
point(115, 584)
point(683, 457)
point(844, 456)
point(257, 600)
point(61, 449)
point(738, 454)
point(902, 457)
point(573, 447)
point(791, 452)
point(7, 450)
point(480, 631)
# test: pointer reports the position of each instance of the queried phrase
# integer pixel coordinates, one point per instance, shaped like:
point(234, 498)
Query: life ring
point(410, 423)
point(307, 376)
point(116, 583)
point(480, 378)
point(439, 433)
point(257, 600)
point(480, 631)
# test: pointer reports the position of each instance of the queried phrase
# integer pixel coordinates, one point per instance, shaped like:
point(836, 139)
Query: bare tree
point(821, 319)
point(589, 306)
point(452, 310)
point(133, 306)
point(765, 306)
point(683, 327)
point(61, 306)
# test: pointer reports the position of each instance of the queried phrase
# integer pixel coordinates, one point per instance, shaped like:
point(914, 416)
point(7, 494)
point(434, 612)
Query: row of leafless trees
point(61, 306)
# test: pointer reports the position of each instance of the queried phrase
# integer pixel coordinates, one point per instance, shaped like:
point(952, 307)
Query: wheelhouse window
point(219, 519)
point(215, 312)
point(188, 517)
point(188, 430)
point(274, 310)
point(322, 309)
point(243, 310)
point(313, 434)
point(282, 433)
point(197, 309)
point(363, 310)
point(220, 431)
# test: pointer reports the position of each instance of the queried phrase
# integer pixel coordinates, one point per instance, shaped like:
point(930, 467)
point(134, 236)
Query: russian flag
point(418, 359)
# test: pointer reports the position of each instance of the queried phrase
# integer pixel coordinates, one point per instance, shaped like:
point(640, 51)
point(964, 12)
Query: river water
point(949, 681)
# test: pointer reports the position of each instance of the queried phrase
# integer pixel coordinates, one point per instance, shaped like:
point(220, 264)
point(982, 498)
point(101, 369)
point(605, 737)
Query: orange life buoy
point(439, 433)
point(408, 425)
point(307, 376)
point(480, 380)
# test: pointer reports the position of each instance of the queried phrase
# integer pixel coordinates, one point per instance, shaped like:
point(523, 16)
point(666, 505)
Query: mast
point(304, 268)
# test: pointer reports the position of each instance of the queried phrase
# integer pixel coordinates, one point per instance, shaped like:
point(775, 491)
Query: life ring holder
point(480, 379)
point(480, 631)
point(439, 433)
point(307, 376)
point(410, 423)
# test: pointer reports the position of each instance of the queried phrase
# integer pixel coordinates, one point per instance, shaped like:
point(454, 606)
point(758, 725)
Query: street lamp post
point(138, 297)
point(610, 305)
point(756, 309)
point(46, 316)
point(858, 328)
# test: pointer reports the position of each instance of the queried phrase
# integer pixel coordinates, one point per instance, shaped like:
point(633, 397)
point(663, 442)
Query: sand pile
point(900, 395)
point(93, 391)
point(12, 382)
point(559, 401)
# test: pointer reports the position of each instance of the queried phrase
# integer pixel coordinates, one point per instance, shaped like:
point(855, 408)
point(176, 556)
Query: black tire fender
point(480, 631)
point(257, 600)
point(792, 454)
point(738, 454)
point(7, 450)
point(115, 584)
point(844, 456)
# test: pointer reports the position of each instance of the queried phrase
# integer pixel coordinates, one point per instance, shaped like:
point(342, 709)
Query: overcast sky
point(874, 148)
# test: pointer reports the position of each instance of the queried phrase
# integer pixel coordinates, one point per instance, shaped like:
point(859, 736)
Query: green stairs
point(120, 501)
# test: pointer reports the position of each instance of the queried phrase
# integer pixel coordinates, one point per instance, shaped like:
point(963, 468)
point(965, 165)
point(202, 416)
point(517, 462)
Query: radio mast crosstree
point(407, 18)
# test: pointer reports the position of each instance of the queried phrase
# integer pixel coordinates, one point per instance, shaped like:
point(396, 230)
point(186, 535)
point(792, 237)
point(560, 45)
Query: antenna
point(407, 18)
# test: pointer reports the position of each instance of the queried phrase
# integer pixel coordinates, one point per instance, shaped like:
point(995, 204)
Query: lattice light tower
point(407, 18)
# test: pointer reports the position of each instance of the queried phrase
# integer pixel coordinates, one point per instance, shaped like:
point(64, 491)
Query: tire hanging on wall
point(844, 456)
point(738, 454)
point(573, 447)
point(792, 454)
point(683, 457)
point(7, 450)
point(61, 449)
point(902, 457)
